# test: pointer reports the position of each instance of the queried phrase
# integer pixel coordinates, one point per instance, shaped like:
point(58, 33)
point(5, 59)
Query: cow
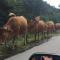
point(17, 25)
point(57, 26)
point(4, 35)
point(51, 26)
point(37, 26)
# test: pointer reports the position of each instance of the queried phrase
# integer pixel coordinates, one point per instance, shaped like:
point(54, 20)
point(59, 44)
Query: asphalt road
point(52, 46)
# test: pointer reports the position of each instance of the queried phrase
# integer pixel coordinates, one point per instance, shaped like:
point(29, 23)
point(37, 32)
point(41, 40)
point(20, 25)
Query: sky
point(53, 2)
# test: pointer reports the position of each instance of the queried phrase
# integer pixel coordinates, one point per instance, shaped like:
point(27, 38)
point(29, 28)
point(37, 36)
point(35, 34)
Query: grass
point(31, 38)
point(20, 43)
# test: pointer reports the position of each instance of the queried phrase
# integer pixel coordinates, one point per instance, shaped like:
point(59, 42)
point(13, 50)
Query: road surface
point(52, 46)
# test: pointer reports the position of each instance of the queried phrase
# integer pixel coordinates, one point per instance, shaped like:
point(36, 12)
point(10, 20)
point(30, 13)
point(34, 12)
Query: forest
point(28, 8)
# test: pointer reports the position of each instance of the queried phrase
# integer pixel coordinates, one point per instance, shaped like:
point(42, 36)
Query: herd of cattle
point(19, 25)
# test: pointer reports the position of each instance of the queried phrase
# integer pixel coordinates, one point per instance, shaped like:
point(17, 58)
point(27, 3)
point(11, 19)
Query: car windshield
point(44, 57)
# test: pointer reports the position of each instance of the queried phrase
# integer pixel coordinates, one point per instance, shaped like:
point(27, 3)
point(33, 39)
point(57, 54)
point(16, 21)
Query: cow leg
point(13, 41)
point(42, 35)
point(35, 35)
point(38, 35)
point(25, 39)
point(26, 35)
point(5, 43)
point(47, 34)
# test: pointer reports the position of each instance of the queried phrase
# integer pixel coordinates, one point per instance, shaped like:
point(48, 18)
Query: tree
point(30, 8)
point(4, 11)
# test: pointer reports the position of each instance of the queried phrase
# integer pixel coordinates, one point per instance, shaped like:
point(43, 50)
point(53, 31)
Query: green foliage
point(28, 8)
point(4, 10)
point(34, 8)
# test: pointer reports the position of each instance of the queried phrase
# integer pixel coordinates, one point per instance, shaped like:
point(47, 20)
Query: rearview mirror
point(38, 56)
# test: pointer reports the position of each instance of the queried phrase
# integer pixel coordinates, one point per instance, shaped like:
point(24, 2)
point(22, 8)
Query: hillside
point(34, 8)
point(28, 8)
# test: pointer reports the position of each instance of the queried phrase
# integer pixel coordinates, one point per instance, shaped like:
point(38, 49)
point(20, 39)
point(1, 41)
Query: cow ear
point(12, 14)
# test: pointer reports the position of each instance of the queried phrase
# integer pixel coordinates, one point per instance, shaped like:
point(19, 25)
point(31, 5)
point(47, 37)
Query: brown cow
point(42, 27)
point(17, 24)
point(37, 26)
point(57, 25)
point(4, 35)
point(51, 26)
point(38, 18)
